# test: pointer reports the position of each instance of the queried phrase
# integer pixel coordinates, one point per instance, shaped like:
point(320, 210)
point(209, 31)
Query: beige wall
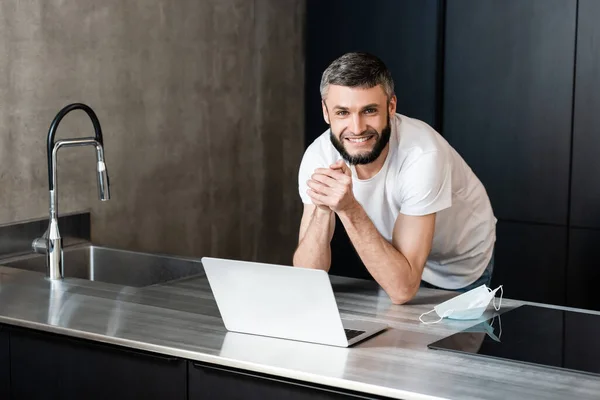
point(201, 104)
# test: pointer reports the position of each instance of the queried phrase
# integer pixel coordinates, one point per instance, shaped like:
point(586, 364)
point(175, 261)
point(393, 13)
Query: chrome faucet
point(51, 243)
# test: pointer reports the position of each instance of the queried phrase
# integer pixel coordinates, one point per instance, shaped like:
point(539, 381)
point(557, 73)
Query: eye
point(370, 111)
point(341, 113)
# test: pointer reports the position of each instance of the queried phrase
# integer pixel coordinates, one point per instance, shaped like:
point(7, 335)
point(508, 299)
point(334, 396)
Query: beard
point(383, 138)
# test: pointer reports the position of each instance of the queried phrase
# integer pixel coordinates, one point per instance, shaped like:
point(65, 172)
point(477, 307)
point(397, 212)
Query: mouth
point(362, 140)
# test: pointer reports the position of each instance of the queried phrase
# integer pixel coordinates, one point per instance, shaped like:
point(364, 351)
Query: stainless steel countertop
point(181, 319)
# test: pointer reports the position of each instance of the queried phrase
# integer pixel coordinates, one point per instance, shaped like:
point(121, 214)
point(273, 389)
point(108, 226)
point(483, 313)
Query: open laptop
point(282, 301)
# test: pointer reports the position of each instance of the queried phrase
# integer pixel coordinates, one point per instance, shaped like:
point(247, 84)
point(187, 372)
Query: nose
point(358, 125)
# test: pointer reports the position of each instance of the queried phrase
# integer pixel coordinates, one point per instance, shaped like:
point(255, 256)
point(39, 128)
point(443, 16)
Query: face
point(359, 120)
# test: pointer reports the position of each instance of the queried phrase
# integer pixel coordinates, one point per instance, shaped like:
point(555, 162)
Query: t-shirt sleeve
point(426, 186)
point(310, 162)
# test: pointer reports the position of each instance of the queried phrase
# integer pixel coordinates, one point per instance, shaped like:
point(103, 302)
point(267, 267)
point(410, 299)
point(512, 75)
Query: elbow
point(402, 295)
point(399, 300)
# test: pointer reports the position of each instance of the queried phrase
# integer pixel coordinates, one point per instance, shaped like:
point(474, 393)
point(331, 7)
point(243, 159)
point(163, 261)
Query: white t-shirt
point(422, 174)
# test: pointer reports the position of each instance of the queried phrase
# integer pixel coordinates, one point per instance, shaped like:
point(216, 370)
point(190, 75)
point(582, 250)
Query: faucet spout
point(54, 126)
point(103, 183)
point(51, 242)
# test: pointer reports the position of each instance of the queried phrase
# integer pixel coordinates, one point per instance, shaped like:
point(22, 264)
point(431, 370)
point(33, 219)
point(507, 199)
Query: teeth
point(358, 140)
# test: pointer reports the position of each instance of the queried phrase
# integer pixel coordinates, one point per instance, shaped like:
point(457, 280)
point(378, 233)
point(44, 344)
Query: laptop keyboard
point(352, 333)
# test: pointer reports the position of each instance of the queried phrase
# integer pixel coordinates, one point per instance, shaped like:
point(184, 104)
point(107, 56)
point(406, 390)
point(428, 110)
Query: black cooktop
point(535, 335)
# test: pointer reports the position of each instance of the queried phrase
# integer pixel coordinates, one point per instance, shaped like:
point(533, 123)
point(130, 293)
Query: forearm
point(314, 250)
point(388, 266)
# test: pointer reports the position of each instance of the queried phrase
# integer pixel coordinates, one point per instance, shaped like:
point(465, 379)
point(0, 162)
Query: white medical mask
point(468, 305)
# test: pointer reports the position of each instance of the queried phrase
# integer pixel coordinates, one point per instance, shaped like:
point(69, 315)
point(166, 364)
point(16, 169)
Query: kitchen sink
point(115, 266)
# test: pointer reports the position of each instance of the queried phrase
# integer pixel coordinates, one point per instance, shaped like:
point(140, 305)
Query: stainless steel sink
point(113, 266)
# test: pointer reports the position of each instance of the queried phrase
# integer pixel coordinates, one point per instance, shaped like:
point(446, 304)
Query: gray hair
point(362, 70)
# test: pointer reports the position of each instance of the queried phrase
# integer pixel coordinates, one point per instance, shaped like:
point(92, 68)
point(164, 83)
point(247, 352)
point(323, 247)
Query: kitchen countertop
point(181, 319)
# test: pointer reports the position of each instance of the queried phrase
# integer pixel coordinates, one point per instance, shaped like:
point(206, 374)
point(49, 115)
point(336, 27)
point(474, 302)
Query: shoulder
point(417, 137)
point(417, 146)
point(424, 172)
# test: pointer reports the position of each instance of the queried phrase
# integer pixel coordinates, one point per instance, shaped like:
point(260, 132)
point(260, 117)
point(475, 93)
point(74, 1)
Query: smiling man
point(413, 209)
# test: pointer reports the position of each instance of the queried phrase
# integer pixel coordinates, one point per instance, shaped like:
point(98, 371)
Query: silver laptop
point(282, 301)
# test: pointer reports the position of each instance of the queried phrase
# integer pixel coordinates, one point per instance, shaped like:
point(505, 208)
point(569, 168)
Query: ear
point(325, 112)
point(392, 105)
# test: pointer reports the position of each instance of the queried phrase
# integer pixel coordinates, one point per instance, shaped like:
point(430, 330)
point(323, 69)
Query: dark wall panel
point(404, 34)
point(530, 262)
point(585, 190)
point(508, 98)
point(583, 272)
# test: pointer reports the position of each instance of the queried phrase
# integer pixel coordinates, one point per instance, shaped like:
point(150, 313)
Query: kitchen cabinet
point(580, 336)
point(583, 273)
point(49, 366)
point(210, 382)
point(508, 85)
point(585, 188)
point(530, 262)
point(4, 364)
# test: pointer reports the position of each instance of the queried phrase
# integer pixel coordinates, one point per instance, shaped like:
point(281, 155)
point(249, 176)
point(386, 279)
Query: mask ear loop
point(444, 315)
point(499, 325)
point(499, 301)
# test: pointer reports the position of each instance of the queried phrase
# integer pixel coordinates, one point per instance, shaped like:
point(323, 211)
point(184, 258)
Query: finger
point(337, 165)
point(324, 179)
point(336, 174)
point(332, 192)
point(317, 198)
point(341, 166)
point(335, 186)
point(318, 187)
point(346, 170)
point(332, 173)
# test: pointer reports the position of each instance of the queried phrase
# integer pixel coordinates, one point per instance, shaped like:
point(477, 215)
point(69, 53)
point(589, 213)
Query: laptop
point(283, 302)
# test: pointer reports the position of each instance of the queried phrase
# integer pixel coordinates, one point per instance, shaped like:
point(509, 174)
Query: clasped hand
point(332, 187)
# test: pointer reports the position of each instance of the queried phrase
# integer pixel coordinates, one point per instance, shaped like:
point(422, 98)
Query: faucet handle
point(40, 245)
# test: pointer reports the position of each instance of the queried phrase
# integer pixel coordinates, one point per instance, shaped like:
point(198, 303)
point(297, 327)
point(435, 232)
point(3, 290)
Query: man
point(412, 207)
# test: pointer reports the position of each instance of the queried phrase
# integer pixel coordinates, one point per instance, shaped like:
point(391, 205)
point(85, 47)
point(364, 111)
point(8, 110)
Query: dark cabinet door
point(577, 352)
point(585, 189)
point(583, 272)
point(508, 89)
point(208, 382)
point(47, 366)
point(530, 262)
point(4, 364)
